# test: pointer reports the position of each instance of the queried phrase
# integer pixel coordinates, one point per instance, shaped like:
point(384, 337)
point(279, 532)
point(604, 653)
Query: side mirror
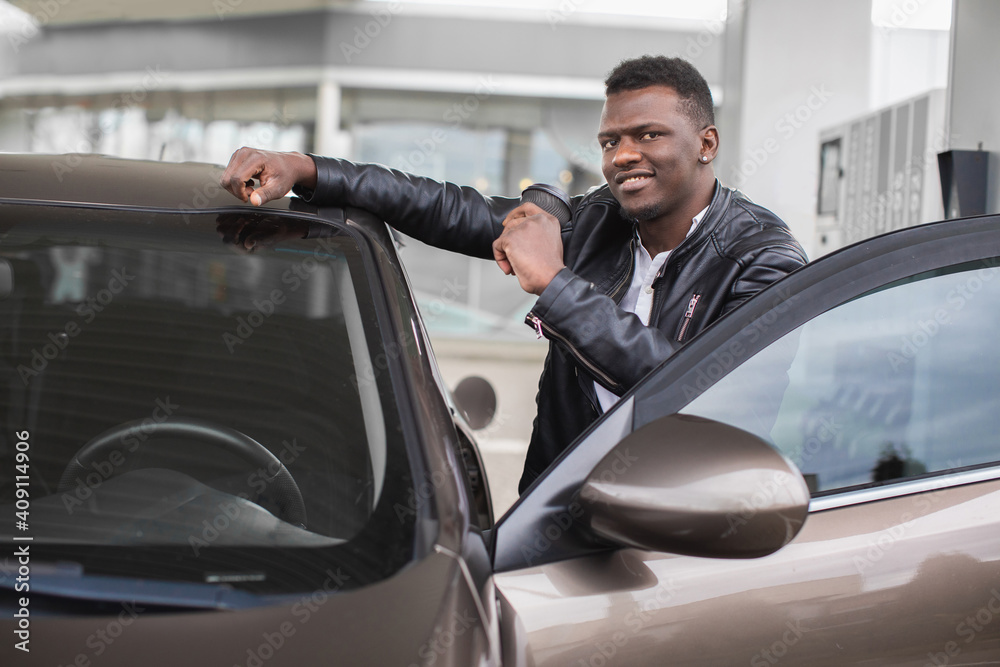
point(696, 487)
point(477, 400)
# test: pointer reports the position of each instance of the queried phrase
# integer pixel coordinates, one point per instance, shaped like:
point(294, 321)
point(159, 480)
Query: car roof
point(103, 181)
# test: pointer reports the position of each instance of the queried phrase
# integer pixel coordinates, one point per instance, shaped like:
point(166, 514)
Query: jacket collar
point(721, 198)
point(710, 222)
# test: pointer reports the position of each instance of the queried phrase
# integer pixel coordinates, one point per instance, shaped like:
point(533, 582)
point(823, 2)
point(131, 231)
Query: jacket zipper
point(658, 294)
point(688, 315)
point(541, 329)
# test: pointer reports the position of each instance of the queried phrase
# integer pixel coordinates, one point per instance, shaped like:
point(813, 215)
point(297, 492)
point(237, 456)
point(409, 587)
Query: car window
point(228, 399)
point(896, 383)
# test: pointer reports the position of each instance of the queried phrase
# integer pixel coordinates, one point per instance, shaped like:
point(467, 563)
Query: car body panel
point(429, 606)
point(105, 180)
point(897, 579)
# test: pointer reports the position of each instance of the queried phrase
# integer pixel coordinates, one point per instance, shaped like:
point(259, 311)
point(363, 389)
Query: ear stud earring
point(704, 158)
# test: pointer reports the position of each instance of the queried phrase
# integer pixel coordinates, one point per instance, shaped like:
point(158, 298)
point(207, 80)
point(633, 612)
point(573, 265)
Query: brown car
point(223, 441)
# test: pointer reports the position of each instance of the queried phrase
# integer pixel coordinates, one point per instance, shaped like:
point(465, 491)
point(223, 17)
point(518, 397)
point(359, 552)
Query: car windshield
point(192, 398)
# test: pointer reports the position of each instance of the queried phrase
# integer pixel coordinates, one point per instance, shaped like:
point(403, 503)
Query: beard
point(641, 214)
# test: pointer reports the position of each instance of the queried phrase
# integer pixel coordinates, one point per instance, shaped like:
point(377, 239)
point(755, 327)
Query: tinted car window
point(896, 383)
point(194, 368)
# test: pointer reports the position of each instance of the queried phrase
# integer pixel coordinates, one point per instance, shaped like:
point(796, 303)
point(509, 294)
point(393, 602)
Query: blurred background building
point(830, 114)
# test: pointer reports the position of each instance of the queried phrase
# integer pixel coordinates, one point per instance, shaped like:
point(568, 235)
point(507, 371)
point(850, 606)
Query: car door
point(874, 371)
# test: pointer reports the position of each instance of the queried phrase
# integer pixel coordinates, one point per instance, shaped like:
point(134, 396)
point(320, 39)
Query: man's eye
point(650, 135)
point(608, 143)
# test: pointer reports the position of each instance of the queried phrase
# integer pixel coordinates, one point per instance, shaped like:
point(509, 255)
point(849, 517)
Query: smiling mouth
point(632, 183)
point(629, 177)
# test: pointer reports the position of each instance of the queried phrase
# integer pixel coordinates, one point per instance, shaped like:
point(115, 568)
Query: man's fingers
point(513, 217)
point(270, 188)
point(530, 247)
point(239, 184)
point(522, 211)
point(501, 257)
point(245, 165)
point(277, 173)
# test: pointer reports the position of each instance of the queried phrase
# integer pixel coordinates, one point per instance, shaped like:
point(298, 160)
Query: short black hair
point(677, 73)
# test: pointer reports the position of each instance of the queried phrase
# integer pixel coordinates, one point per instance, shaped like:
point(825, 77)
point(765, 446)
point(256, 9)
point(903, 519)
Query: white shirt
point(639, 298)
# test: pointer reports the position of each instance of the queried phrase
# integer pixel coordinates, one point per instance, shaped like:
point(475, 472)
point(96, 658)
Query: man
point(645, 263)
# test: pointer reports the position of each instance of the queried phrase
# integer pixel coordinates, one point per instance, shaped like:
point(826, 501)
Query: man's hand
point(248, 232)
point(530, 247)
point(277, 173)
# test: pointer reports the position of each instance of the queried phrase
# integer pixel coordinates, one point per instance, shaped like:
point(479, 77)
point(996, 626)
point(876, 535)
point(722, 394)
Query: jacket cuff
point(325, 191)
point(560, 294)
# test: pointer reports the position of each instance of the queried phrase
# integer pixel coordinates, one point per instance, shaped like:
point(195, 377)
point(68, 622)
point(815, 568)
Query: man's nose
point(626, 153)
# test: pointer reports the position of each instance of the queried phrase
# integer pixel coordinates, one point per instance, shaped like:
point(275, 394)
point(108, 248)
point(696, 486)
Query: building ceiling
point(70, 12)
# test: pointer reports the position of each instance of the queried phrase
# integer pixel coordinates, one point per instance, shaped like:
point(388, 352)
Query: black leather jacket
point(736, 250)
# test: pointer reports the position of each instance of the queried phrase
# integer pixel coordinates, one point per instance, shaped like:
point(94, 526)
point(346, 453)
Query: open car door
point(815, 479)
